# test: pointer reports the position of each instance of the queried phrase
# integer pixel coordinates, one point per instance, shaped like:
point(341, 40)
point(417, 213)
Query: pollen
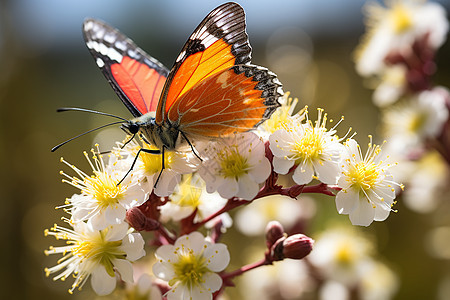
point(282, 117)
point(233, 164)
point(104, 189)
point(363, 175)
point(152, 163)
point(188, 194)
point(401, 19)
point(189, 269)
point(310, 147)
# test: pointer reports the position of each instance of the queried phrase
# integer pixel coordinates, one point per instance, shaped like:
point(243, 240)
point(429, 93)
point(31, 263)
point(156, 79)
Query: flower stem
point(226, 277)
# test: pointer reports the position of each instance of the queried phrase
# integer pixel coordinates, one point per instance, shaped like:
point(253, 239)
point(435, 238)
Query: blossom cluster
point(115, 203)
point(398, 55)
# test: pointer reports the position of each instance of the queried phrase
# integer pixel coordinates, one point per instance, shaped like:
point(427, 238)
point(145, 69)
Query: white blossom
point(190, 267)
point(313, 149)
point(395, 28)
point(367, 187)
point(235, 166)
point(99, 254)
point(102, 201)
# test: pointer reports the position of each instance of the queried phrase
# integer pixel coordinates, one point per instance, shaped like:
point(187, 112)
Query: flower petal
point(218, 257)
point(228, 187)
point(346, 201)
point(363, 213)
point(133, 245)
point(327, 171)
point(303, 174)
point(248, 188)
point(163, 270)
point(101, 282)
point(282, 165)
point(212, 281)
point(125, 269)
point(381, 213)
point(115, 214)
point(261, 170)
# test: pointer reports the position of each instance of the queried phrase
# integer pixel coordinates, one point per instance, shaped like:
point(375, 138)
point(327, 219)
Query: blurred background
point(45, 65)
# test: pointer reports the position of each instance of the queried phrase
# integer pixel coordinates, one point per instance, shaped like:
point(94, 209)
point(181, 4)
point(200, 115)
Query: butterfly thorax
point(161, 136)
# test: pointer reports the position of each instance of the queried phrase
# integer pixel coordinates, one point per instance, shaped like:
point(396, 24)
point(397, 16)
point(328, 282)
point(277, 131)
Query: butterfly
point(212, 90)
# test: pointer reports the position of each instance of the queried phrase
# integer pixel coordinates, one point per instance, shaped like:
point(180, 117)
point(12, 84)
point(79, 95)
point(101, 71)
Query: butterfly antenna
point(62, 109)
point(84, 133)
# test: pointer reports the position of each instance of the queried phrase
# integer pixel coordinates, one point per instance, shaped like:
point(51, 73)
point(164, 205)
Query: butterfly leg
point(151, 151)
point(128, 141)
point(162, 165)
point(190, 144)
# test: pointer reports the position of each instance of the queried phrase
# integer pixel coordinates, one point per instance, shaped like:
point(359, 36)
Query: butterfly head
point(130, 127)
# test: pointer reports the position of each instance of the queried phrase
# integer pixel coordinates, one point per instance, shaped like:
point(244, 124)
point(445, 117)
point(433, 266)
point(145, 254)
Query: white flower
point(99, 254)
point(395, 28)
point(148, 167)
point(190, 266)
point(235, 166)
point(377, 281)
point(144, 289)
point(338, 253)
point(281, 118)
point(408, 125)
point(190, 195)
point(367, 185)
point(102, 201)
point(427, 182)
point(312, 148)
point(391, 87)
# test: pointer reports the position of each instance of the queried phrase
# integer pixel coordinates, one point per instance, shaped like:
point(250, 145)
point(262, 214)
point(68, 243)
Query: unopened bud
point(139, 221)
point(274, 231)
point(296, 246)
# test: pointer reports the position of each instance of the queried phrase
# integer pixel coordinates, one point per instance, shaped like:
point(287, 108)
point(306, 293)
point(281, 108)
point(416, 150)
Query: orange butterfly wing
point(136, 77)
point(233, 100)
point(218, 43)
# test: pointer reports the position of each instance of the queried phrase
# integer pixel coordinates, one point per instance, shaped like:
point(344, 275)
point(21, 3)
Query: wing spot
point(120, 45)
point(109, 37)
point(100, 63)
point(181, 56)
point(88, 25)
point(223, 79)
point(113, 54)
point(93, 45)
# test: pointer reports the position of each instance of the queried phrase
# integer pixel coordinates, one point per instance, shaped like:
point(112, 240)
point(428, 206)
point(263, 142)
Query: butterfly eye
point(130, 127)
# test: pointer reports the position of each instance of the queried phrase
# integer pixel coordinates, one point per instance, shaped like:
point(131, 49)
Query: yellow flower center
point(345, 254)
point(153, 162)
point(99, 250)
point(233, 164)
point(103, 187)
point(188, 195)
point(189, 269)
point(416, 122)
point(363, 175)
point(310, 146)
point(281, 118)
point(401, 18)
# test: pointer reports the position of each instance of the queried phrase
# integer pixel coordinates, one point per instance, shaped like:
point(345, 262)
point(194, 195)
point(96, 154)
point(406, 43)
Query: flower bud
point(274, 231)
point(296, 246)
point(139, 221)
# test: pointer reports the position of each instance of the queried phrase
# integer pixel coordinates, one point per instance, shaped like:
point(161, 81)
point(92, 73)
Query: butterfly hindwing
point(136, 77)
point(218, 43)
point(233, 100)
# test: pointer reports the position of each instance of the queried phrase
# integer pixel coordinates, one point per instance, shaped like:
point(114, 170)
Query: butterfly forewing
point(218, 43)
point(137, 78)
point(232, 100)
